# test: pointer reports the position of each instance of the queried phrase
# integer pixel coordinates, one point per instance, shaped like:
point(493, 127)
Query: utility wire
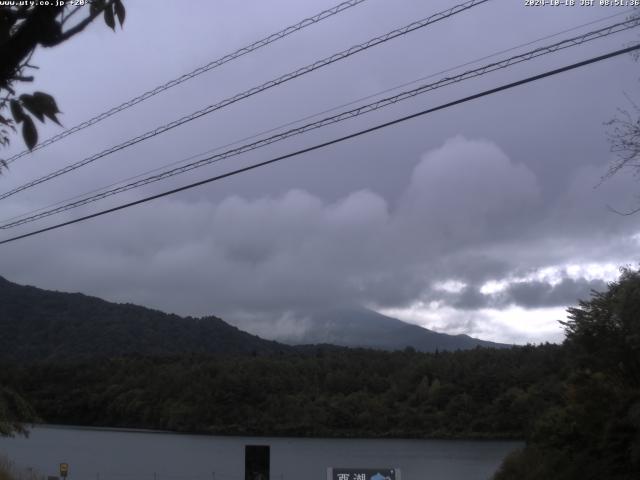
point(194, 73)
point(309, 117)
point(385, 102)
point(253, 91)
point(332, 142)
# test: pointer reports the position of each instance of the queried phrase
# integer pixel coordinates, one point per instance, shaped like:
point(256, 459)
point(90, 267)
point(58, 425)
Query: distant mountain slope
point(38, 324)
point(366, 328)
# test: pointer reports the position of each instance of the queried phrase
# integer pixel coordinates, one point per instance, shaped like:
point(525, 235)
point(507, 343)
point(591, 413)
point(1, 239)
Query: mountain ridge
point(46, 325)
point(361, 327)
point(39, 324)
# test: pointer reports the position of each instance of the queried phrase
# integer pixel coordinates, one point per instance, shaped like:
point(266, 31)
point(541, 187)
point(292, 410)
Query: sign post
point(64, 470)
point(257, 459)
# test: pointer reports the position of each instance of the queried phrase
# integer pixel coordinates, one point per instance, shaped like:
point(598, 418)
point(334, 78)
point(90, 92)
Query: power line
point(332, 142)
point(253, 91)
point(308, 117)
point(337, 118)
point(194, 73)
point(382, 103)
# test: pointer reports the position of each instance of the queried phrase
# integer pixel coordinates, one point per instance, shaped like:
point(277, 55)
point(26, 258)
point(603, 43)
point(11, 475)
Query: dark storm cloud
point(521, 293)
point(297, 250)
point(543, 294)
point(470, 298)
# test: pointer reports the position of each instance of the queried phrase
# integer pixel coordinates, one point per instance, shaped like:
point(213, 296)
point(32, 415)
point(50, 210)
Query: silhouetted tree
point(24, 28)
point(594, 432)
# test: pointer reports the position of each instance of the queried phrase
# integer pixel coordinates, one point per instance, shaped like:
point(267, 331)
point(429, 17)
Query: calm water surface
point(99, 454)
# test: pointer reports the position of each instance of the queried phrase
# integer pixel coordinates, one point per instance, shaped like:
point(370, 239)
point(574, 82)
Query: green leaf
point(108, 17)
point(29, 132)
point(120, 11)
point(17, 111)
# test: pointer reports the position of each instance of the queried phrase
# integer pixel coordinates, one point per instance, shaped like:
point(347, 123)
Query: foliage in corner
point(23, 28)
point(595, 432)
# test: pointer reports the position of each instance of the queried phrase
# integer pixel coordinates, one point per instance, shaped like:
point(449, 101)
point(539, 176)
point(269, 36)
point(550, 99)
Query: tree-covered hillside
point(323, 392)
point(38, 324)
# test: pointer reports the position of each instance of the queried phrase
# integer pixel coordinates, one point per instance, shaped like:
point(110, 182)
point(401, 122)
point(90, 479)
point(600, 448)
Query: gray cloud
point(522, 293)
point(296, 250)
point(470, 298)
point(543, 294)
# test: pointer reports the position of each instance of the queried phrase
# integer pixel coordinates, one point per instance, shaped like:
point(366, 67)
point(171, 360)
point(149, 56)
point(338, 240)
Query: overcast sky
point(481, 219)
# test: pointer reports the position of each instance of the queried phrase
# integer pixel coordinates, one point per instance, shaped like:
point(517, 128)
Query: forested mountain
point(365, 328)
point(38, 324)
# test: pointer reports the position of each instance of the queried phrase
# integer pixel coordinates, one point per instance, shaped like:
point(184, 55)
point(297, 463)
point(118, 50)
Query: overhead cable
point(194, 73)
point(253, 91)
point(314, 115)
point(382, 103)
point(330, 142)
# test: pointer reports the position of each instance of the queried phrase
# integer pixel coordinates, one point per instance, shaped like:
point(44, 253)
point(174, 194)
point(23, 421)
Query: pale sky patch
point(451, 286)
point(511, 325)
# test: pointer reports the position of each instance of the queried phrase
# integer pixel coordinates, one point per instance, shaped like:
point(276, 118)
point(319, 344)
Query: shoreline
point(484, 438)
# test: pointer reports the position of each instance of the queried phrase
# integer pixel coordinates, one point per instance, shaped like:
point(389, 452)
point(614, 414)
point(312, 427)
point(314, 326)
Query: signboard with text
point(363, 474)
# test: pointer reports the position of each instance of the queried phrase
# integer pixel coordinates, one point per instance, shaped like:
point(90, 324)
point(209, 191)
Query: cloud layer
point(464, 216)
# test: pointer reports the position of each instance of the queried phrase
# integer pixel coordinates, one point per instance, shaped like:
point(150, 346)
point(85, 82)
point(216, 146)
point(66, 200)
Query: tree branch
point(30, 33)
point(71, 14)
point(82, 25)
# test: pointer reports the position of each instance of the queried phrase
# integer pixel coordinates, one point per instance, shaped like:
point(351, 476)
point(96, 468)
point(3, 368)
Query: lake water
point(101, 454)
